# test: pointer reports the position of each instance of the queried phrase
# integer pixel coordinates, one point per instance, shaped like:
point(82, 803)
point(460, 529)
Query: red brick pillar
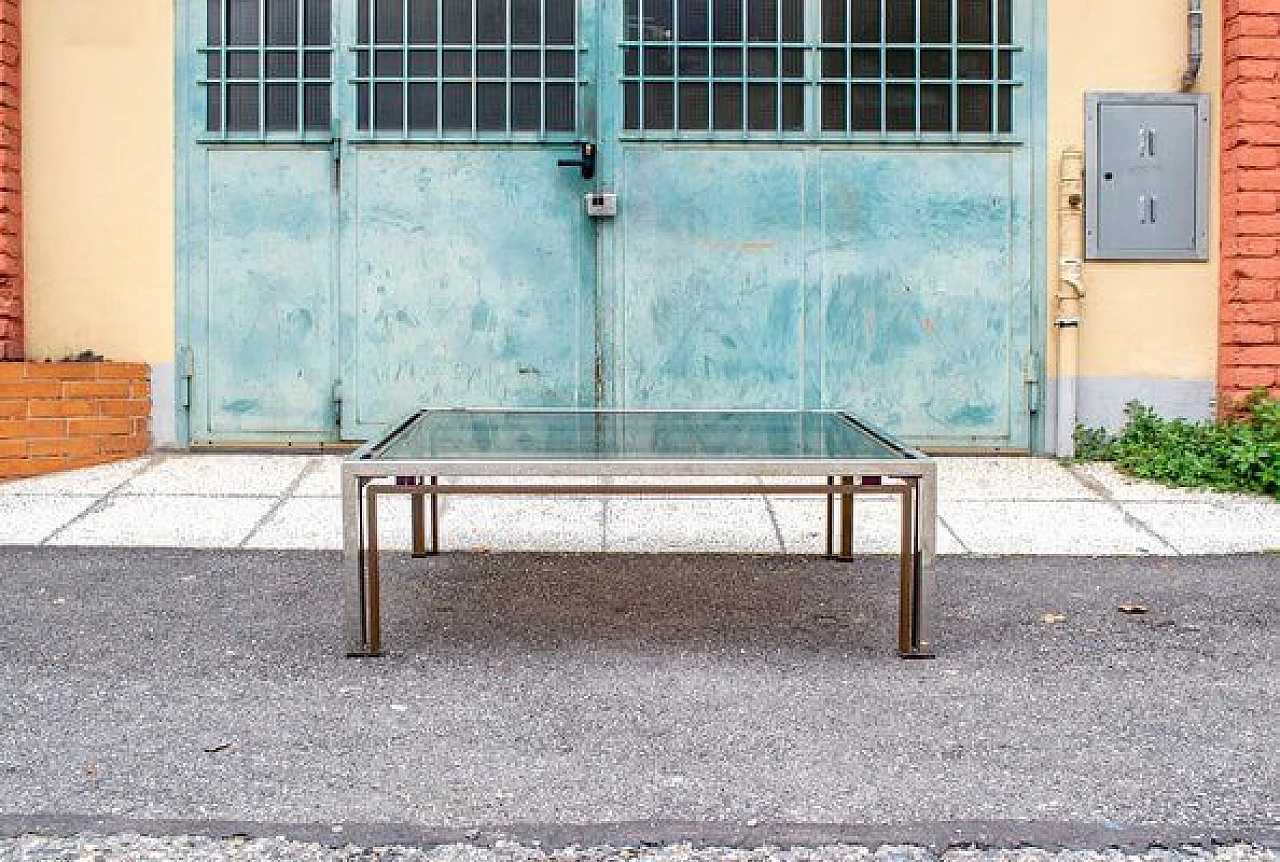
point(1249, 319)
point(11, 336)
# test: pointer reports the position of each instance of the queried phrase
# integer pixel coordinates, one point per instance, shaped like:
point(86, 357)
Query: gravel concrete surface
point(717, 699)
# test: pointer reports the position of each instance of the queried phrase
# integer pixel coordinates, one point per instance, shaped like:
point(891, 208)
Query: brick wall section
point(1249, 319)
point(61, 415)
point(11, 281)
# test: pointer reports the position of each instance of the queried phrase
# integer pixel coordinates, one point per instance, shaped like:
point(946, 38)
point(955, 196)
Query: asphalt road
point(719, 698)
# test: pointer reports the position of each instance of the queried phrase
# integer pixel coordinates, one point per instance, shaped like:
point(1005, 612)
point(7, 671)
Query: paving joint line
point(102, 501)
point(773, 518)
point(1104, 493)
point(313, 464)
point(964, 548)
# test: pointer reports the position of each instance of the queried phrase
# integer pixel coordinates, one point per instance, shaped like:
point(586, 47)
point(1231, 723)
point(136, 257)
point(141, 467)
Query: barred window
point(268, 67)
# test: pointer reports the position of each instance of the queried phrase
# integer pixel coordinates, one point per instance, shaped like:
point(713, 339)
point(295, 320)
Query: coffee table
point(666, 453)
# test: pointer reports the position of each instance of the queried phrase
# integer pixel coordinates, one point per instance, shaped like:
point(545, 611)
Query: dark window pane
point(242, 108)
point(526, 22)
point(935, 21)
point(362, 107)
point(388, 22)
point(422, 107)
point(833, 63)
point(213, 65)
point(975, 108)
point(242, 22)
point(491, 64)
point(241, 66)
point(315, 107)
point(694, 62)
point(792, 107)
point(631, 105)
point(659, 107)
point(1006, 109)
point(834, 13)
point(792, 20)
point(422, 64)
point(561, 108)
point(363, 30)
point(362, 64)
point(213, 24)
point(282, 107)
point(695, 113)
point(762, 107)
point(317, 26)
point(213, 108)
point(526, 64)
point(282, 65)
point(975, 64)
point(561, 21)
point(694, 17)
point(864, 21)
point(631, 20)
point(900, 108)
point(526, 107)
point(1004, 12)
point(728, 62)
point(659, 22)
point(388, 107)
point(935, 108)
point(422, 24)
point(900, 20)
point(282, 22)
point(388, 64)
point(491, 107)
point(1006, 65)
point(456, 22)
point(762, 20)
point(762, 63)
point(316, 64)
point(457, 64)
point(792, 63)
point(833, 108)
point(455, 104)
point(657, 61)
point(864, 108)
point(935, 64)
point(975, 20)
point(728, 20)
point(491, 22)
point(864, 63)
point(726, 107)
point(900, 64)
point(560, 64)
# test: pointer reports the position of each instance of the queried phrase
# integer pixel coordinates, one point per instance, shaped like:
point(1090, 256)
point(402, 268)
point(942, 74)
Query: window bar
point(955, 68)
point(301, 118)
point(508, 92)
point(262, 68)
point(439, 76)
point(884, 67)
point(777, 66)
point(711, 71)
point(919, 71)
point(224, 16)
point(675, 67)
point(475, 83)
point(846, 45)
point(994, 95)
point(542, 69)
point(404, 67)
point(743, 35)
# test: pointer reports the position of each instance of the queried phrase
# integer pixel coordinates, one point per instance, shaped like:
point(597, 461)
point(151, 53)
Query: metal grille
point(268, 68)
point(467, 68)
point(877, 69)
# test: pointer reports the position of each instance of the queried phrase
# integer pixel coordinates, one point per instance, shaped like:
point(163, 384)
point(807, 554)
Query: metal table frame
point(912, 478)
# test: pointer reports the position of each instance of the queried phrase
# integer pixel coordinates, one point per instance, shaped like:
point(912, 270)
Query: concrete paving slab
point(303, 522)
point(802, 523)
point(86, 482)
point(216, 475)
point(1212, 528)
point(1122, 487)
point(1040, 527)
point(30, 520)
point(522, 524)
point(690, 524)
point(167, 522)
point(1008, 478)
point(323, 477)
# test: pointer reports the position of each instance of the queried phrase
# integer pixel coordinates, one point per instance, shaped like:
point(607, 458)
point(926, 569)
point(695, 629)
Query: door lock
point(586, 161)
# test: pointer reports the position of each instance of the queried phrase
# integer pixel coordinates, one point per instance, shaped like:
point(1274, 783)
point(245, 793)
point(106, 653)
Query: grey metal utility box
point(1146, 176)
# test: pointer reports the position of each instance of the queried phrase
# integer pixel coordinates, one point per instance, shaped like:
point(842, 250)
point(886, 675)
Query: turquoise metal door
point(469, 268)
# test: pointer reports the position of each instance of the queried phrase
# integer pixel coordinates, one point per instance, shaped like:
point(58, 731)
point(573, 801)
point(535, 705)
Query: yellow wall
point(1139, 320)
point(97, 104)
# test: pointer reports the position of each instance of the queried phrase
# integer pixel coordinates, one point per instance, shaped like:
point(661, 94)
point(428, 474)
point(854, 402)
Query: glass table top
point(570, 435)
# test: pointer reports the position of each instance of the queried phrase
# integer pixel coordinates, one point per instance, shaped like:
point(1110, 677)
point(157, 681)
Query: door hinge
point(598, 380)
point(336, 398)
point(1031, 378)
point(186, 373)
point(335, 152)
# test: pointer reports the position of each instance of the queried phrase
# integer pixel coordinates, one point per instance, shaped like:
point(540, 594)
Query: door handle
point(586, 161)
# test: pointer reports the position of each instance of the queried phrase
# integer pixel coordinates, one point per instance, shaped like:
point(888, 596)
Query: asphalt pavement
point(732, 699)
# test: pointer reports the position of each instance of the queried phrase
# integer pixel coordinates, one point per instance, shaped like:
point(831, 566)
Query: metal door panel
point(262, 327)
point(472, 282)
point(923, 294)
point(712, 278)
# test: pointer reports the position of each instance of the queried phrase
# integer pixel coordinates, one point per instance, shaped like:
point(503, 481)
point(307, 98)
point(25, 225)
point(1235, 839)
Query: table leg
point(846, 521)
point(372, 580)
point(916, 550)
point(355, 586)
point(417, 516)
point(435, 517)
point(831, 519)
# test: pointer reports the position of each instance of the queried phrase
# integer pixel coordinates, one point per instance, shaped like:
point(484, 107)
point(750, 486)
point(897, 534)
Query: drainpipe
point(1069, 294)
point(1195, 48)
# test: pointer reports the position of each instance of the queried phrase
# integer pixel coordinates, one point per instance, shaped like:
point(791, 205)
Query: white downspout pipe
point(1069, 294)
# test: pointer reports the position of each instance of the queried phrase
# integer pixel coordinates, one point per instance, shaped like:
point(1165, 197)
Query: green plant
point(1237, 454)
